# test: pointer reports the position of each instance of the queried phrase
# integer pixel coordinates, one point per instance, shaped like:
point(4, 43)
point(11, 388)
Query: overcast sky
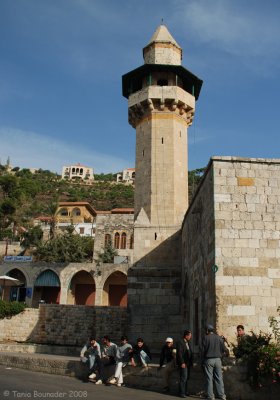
point(60, 78)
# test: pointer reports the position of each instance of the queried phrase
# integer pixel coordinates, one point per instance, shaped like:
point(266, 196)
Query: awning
point(47, 278)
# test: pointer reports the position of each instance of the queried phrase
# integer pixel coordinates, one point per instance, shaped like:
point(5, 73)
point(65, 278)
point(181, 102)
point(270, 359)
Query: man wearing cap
point(184, 362)
point(213, 348)
point(167, 356)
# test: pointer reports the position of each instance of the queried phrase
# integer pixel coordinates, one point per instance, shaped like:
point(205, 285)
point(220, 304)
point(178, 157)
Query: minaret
point(161, 100)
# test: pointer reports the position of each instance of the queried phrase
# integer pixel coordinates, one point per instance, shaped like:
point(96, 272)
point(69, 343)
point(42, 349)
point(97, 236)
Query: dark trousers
point(183, 380)
point(101, 364)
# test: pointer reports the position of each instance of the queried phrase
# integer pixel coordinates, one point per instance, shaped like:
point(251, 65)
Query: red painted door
point(85, 294)
point(118, 295)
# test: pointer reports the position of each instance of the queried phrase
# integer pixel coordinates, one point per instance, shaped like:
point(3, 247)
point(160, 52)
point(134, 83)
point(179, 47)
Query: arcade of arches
point(63, 287)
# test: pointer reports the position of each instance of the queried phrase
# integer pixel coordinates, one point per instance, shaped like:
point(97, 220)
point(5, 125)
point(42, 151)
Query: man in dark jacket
point(213, 348)
point(167, 357)
point(184, 361)
point(140, 354)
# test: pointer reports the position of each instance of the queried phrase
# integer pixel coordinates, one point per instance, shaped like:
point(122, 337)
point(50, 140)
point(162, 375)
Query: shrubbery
point(261, 353)
point(7, 309)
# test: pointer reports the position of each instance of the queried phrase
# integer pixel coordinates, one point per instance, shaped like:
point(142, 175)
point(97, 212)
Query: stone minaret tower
point(161, 99)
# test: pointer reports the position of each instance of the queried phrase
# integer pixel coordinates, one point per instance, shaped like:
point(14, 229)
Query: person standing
point(213, 348)
point(122, 359)
point(184, 358)
point(167, 356)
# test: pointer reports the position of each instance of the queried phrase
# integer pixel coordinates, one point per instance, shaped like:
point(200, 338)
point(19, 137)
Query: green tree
point(108, 255)
point(8, 185)
point(32, 237)
point(68, 247)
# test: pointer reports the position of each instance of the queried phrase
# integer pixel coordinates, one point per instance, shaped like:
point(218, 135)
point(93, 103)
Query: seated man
point(140, 354)
point(122, 359)
point(90, 355)
point(108, 357)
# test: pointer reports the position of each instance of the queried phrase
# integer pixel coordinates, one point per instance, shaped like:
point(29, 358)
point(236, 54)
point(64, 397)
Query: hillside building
point(77, 172)
point(127, 176)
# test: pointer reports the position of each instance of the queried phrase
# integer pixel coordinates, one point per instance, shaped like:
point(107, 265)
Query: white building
point(77, 172)
point(127, 176)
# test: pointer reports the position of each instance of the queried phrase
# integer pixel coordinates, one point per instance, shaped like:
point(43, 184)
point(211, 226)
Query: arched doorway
point(46, 288)
point(115, 290)
point(18, 293)
point(82, 289)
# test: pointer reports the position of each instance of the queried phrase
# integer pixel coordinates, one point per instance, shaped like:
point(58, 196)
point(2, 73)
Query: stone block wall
point(154, 305)
point(247, 235)
point(198, 261)
point(231, 247)
point(64, 324)
point(108, 223)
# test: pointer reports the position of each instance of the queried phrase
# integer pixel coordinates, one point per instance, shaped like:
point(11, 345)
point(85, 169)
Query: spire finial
point(161, 21)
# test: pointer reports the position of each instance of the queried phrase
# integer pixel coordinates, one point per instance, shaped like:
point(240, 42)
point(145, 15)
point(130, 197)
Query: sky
point(62, 61)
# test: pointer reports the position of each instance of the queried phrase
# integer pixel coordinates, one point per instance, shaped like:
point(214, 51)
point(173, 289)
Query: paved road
point(23, 384)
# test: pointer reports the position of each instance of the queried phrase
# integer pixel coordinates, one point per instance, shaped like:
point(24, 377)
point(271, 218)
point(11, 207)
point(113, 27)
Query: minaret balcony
point(161, 98)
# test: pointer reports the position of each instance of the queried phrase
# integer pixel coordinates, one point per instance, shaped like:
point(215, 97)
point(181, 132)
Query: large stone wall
point(198, 261)
point(154, 305)
point(64, 324)
point(231, 238)
point(247, 231)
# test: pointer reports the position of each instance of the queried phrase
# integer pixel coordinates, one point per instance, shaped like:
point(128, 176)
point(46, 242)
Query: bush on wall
point(8, 309)
point(261, 353)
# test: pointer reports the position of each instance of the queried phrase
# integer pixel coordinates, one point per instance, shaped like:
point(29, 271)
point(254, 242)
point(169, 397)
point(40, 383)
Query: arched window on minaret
point(117, 241)
point(123, 240)
point(107, 240)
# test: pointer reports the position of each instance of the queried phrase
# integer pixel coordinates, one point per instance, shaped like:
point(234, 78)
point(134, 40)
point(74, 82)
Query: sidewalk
point(143, 378)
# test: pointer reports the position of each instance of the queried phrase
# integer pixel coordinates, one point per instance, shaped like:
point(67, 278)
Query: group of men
point(173, 356)
point(98, 357)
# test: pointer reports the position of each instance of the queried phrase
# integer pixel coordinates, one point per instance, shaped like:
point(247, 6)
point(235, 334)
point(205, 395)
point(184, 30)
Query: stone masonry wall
point(110, 224)
point(247, 230)
point(198, 261)
point(154, 304)
point(64, 324)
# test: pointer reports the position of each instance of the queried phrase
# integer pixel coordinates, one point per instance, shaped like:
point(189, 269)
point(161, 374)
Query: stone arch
point(17, 293)
point(117, 240)
point(76, 212)
point(81, 289)
point(123, 241)
point(46, 288)
point(63, 212)
point(115, 290)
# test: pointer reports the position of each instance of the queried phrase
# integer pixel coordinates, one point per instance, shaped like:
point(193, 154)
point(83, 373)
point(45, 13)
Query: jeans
point(91, 361)
point(142, 358)
point(213, 371)
point(183, 380)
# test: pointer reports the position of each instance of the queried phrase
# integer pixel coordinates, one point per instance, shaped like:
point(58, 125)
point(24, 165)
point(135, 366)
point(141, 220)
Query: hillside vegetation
point(25, 195)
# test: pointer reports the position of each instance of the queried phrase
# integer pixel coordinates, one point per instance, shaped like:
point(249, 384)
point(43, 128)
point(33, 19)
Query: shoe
point(166, 389)
point(92, 376)
point(99, 382)
point(183, 396)
point(113, 381)
point(119, 384)
point(144, 365)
